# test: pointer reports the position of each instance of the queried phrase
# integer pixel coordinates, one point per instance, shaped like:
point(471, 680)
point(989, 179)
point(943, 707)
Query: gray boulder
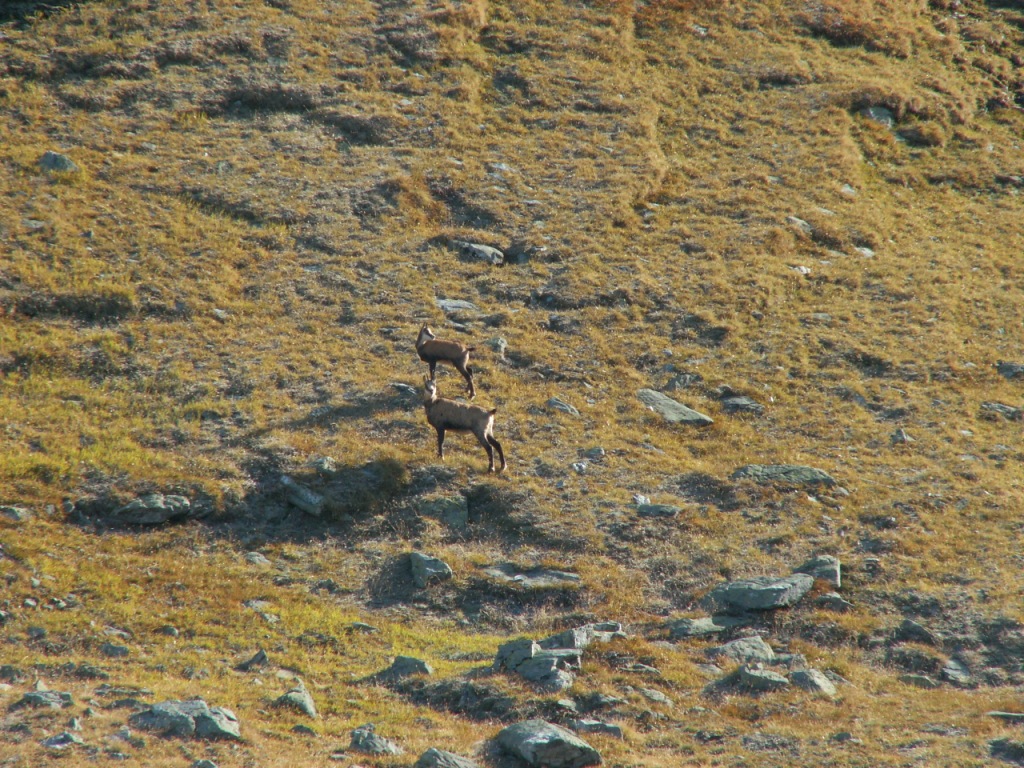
point(560, 405)
point(813, 680)
point(298, 698)
point(402, 667)
point(532, 578)
point(544, 745)
point(788, 474)
point(761, 593)
point(427, 569)
point(550, 668)
point(910, 631)
point(671, 410)
point(438, 758)
point(152, 509)
point(745, 650)
point(825, 567)
point(188, 718)
point(753, 678)
point(306, 499)
point(55, 161)
point(366, 740)
point(833, 601)
point(15, 514)
point(62, 741)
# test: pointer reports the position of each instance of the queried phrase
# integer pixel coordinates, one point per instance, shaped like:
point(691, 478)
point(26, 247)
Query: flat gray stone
point(366, 740)
point(957, 673)
point(438, 758)
point(45, 700)
point(544, 745)
point(813, 680)
point(62, 741)
point(560, 405)
point(789, 474)
point(744, 650)
point(761, 593)
point(427, 570)
point(680, 629)
point(824, 567)
point(1007, 717)
point(449, 306)
point(587, 725)
point(671, 410)
point(152, 509)
point(532, 578)
point(741, 404)
point(658, 510)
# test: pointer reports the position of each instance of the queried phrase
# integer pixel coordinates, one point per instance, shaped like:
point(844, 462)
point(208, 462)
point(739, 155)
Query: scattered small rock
point(596, 726)
point(479, 252)
point(833, 601)
point(256, 558)
point(15, 514)
point(560, 405)
point(658, 510)
point(909, 631)
point(112, 651)
point(532, 578)
point(920, 681)
point(62, 741)
point(991, 410)
point(44, 699)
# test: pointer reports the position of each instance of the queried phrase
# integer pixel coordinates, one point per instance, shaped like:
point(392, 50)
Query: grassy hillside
point(816, 205)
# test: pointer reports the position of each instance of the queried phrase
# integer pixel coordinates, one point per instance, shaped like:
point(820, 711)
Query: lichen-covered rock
point(188, 718)
point(366, 740)
point(824, 567)
point(744, 650)
point(788, 474)
point(761, 593)
point(151, 509)
point(427, 570)
point(544, 745)
point(298, 698)
point(813, 680)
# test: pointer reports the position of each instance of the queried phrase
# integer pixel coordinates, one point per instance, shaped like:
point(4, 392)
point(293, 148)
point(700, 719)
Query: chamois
point(443, 414)
point(433, 350)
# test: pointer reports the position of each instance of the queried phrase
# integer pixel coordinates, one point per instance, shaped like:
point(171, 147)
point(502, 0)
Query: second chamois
point(447, 415)
point(433, 350)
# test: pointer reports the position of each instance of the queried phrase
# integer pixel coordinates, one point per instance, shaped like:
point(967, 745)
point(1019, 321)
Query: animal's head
point(429, 390)
point(425, 334)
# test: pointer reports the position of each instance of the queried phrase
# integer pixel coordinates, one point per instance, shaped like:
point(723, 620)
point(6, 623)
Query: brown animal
point(433, 350)
point(444, 415)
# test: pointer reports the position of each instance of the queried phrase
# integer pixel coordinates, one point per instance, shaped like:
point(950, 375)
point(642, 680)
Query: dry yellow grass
point(232, 281)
